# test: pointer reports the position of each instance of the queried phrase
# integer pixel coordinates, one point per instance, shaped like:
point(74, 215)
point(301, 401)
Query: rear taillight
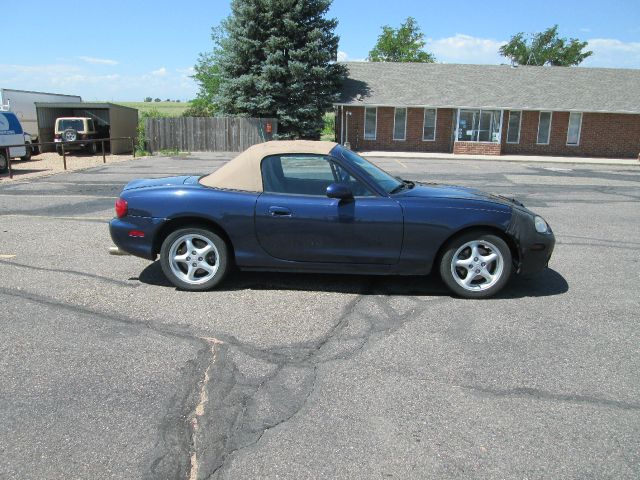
point(121, 207)
point(83, 137)
point(57, 136)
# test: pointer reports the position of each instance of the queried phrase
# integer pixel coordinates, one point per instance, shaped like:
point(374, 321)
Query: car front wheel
point(476, 265)
point(27, 155)
point(194, 259)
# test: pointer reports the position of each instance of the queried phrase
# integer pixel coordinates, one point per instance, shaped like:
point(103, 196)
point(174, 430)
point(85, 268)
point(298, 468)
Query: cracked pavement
point(109, 372)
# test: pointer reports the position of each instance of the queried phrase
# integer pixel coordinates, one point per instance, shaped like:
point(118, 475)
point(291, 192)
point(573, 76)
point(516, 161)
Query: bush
point(141, 149)
point(328, 127)
point(200, 108)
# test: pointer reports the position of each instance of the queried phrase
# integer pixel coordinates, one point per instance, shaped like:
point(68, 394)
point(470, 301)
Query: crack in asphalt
point(235, 392)
point(527, 392)
point(244, 406)
point(198, 412)
point(175, 441)
point(70, 272)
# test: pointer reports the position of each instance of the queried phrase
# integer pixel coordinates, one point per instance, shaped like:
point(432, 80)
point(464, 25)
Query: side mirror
point(339, 191)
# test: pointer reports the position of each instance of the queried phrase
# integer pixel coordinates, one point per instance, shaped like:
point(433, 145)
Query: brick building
point(490, 109)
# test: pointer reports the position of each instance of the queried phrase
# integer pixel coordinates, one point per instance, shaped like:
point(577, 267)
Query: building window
point(370, 123)
point(400, 124)
point(544, 128)
point(479, 125)
point(575, 125)
point(429, 129)
point(513, 128)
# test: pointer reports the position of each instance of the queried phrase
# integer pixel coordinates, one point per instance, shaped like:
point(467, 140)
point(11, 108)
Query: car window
point(306, 175)
point(76, 124)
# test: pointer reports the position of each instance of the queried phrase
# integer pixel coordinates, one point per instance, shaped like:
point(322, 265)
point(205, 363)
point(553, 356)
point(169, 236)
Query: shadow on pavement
point(547, 283)
point(22, 171)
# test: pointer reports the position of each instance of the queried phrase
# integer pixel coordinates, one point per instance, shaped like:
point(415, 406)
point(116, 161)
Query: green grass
point(167, 109)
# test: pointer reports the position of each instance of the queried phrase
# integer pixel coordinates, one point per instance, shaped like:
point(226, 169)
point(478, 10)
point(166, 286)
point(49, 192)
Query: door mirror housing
point(339, 191)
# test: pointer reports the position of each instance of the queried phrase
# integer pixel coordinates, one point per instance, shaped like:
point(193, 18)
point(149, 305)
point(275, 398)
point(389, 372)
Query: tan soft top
point(243, 172)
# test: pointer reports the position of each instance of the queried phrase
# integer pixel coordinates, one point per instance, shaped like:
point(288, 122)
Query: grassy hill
point(169, 109)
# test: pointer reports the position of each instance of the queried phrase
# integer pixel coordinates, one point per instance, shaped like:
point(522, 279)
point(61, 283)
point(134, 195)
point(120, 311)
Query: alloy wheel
point(194, 259)
point(477, 265)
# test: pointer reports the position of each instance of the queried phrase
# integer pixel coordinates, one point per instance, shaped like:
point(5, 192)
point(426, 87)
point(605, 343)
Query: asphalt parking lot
point(108, 371)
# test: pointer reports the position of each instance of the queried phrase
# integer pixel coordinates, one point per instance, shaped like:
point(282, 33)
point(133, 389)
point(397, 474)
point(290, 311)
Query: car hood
point(434, 190)
point(160, 182)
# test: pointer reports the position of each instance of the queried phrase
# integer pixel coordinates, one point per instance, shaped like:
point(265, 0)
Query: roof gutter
point(467, 107)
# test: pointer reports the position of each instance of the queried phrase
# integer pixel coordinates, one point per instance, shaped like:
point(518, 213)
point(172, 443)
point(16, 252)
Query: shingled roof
point(579, 89)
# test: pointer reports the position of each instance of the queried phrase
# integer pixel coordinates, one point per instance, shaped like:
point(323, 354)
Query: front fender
point(430, 223)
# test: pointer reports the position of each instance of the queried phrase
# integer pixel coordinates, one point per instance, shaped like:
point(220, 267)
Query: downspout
point(341, 124)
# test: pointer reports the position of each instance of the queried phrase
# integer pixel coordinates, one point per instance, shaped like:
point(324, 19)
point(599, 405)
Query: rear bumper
point(141, 246)
point(71, 146)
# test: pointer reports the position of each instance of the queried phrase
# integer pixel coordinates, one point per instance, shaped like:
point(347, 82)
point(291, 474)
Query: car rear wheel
point(92, 148)
point(476, 265)
point(194, 259)
point(4, 164)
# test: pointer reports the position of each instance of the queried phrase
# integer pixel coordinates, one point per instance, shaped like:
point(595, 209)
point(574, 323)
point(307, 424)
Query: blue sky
point(127, 50)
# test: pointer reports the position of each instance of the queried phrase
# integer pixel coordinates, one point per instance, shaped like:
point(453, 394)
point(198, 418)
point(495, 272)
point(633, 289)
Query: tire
point(181, 272)
point(27, 155)
point(4, 165)
point(485, 256)
point(92, 148)
point(70, 135)
point(59, 150)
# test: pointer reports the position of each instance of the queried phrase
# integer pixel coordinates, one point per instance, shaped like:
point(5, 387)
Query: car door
point(296, 221)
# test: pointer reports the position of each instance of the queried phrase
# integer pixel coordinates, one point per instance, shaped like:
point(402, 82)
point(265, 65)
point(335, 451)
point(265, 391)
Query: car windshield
point(388, 183)
point(64, 123)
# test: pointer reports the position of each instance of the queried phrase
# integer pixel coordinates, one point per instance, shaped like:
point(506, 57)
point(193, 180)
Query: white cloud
point(344, 57)
point(609, 52)
point(161, 72)
point(98, 61)
point(76, 80)
point(462, 48)
point(585, 29)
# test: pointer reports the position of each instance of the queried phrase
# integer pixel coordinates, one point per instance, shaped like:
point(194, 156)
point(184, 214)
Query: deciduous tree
point(405, 44)
point(545, 48)
point(207, 76)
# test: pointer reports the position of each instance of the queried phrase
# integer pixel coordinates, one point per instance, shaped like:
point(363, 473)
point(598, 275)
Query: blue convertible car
point(305, 206)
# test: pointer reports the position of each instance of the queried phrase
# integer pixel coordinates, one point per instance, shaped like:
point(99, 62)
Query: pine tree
point(278, 60)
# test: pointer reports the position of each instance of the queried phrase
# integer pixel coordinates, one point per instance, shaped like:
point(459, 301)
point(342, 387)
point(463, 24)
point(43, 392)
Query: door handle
point(279, 212)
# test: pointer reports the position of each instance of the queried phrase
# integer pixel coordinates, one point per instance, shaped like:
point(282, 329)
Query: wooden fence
point(208, 134)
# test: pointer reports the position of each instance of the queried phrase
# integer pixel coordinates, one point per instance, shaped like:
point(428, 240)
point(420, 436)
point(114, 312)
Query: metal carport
point(122, 121)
